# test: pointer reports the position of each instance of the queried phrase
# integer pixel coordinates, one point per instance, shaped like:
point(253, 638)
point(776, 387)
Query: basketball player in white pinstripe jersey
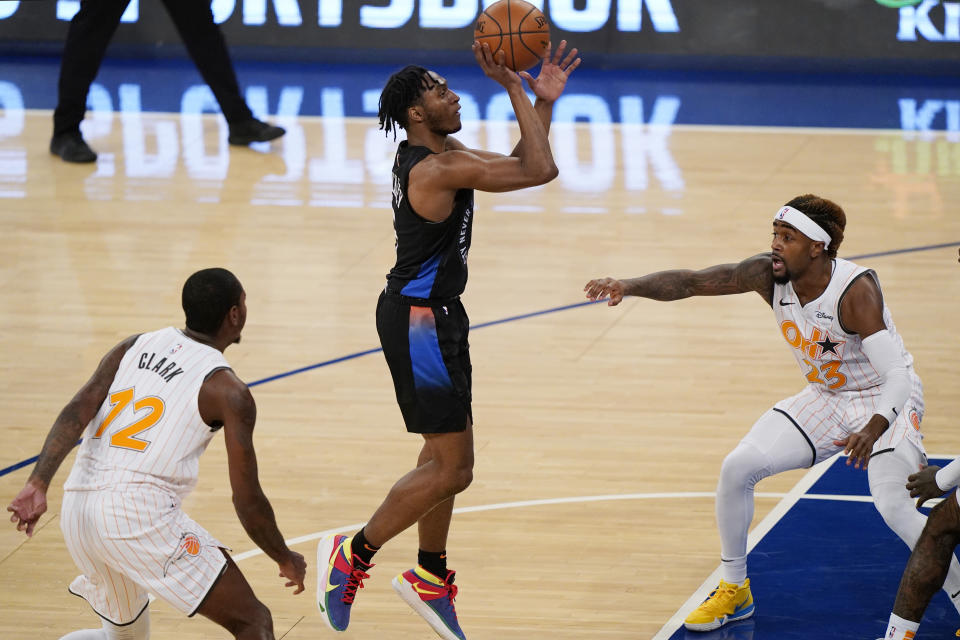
point(147, 414)
point(862, 395)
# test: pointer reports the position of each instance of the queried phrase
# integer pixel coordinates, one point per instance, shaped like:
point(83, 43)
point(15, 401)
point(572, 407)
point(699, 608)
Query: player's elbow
point(544, 173)
point(551, 172)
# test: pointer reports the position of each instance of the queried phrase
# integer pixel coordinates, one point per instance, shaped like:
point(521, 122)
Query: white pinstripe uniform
point(843, 388)
point(121, 516)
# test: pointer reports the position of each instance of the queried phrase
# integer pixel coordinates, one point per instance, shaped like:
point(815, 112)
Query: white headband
point(802, 223)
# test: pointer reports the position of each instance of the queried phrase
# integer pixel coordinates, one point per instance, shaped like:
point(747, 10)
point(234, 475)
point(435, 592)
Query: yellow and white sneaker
point(727, 603)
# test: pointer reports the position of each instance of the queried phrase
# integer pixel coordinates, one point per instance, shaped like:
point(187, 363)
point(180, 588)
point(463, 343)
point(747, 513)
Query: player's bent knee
point(459, 480)
point(743, 468)
point(260, 617)
point(899, 513)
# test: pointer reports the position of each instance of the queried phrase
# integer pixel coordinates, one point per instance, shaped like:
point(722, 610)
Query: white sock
point(900, 629)
point(734, 570)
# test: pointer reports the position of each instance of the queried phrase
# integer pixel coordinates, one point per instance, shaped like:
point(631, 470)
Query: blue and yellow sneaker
point(727, 603)
point(432, 598)
point(341, 574)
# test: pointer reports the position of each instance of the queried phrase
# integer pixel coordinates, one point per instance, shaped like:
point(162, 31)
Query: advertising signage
point(875, 34)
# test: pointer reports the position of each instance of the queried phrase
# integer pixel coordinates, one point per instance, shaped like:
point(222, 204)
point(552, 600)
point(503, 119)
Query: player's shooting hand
point(495, 67)
point(859, 445)
point(27, 507)
point(605, 287)
point(923, 485)
point(294, 569)
point(554, 71)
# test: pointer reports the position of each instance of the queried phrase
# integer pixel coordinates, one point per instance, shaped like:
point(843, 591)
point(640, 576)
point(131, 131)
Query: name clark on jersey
point(162, 368)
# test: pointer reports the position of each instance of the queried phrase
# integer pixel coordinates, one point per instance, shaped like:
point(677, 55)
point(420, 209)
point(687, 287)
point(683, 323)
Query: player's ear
point(816, 248)
point(234, 315)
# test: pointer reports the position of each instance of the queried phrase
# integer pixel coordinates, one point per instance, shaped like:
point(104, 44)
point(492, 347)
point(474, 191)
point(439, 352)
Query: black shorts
point(425, 344)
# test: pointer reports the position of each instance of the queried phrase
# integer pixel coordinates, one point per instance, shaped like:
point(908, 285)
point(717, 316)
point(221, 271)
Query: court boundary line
point(678, 495)
point(762, 528)
point(523, 316)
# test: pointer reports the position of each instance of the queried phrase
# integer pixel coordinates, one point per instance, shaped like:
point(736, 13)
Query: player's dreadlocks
point(825, 213)
point(402, 91)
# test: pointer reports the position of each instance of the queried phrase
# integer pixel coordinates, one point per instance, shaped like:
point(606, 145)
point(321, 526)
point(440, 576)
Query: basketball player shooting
point(423, 326)
point(146, 415)
point(863, 396)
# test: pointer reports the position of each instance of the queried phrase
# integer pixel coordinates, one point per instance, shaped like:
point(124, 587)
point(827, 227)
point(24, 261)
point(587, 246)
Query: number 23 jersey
point(828, 354)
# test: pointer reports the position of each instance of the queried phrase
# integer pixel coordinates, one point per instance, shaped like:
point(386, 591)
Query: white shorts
point(130, 544)
point(824, 416)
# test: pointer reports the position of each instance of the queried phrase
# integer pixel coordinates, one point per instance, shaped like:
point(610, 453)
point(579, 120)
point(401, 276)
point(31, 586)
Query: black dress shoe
point(72, 148)
point(252, 130)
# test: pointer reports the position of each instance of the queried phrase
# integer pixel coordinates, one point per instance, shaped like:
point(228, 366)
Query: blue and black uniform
point(423, 327)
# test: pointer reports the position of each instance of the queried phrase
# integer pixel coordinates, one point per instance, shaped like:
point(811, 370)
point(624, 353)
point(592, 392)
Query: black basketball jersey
point(431, 256)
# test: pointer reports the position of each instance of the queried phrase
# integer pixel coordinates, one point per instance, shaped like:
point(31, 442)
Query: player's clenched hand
point(605, 287)
point(27, 507)
point(294, 569)
point(549, 83)
point(923, 485)
point(495, 66)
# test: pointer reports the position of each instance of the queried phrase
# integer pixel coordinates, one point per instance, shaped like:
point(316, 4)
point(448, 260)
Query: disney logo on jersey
point(816, 346)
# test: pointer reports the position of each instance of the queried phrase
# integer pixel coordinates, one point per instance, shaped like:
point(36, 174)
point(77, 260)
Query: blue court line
point(327, 363)
point(24, 463)
point(522, 316)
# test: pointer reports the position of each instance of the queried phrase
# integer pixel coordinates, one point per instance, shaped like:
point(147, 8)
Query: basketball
point(517, 28)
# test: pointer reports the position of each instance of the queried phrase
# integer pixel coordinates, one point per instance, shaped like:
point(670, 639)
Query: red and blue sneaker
point(342, 574)
point(432, 598)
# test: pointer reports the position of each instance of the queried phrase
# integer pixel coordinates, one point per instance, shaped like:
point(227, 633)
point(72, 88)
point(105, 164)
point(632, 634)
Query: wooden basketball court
point(599, 431)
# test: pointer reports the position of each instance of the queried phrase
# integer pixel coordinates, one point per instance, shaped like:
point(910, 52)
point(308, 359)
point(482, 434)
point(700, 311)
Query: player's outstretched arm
point(861, 312)
point(753, 274)
point(224, 398)
point(31, 502)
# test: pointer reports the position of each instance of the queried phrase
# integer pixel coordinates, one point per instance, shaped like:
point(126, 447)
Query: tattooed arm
point(31, 502)
point(753, 274)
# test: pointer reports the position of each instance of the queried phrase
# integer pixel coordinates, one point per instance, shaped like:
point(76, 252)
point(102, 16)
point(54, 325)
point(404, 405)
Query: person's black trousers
point(94, 25)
